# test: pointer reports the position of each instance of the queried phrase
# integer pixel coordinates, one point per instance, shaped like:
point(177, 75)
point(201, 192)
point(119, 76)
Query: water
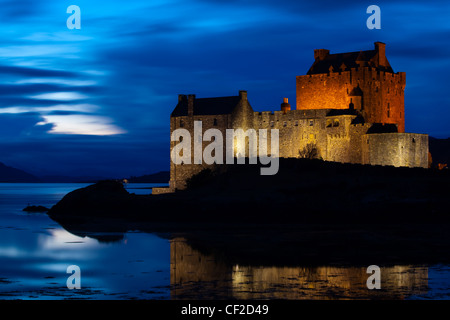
point(35, 252)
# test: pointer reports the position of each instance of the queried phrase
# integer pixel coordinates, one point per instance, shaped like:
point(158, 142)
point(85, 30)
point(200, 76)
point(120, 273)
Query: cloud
point(81, 125)
point(76, 108)
point(65, 82)
point(61, 96)
point(34, 72)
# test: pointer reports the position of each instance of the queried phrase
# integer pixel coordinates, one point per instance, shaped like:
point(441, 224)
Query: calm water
point(36, 251)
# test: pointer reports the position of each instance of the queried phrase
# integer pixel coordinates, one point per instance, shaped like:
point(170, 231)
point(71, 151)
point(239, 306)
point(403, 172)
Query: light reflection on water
point(35, 252)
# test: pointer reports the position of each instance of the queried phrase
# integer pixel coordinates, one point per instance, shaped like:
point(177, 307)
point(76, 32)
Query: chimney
point(181, 97)
point(285, 106)
point(320, 54)
point(243, 94)
point(380, 48)
point(191, 99)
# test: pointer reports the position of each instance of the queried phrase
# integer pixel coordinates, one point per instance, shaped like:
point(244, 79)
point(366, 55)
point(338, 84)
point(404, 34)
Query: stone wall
point(162, 190)
point(335, 137)
point(180, 173)
point(382, 99)
point(395, 149)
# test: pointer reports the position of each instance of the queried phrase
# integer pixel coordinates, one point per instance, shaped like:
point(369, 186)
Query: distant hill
point(160, 177)
point(10, 174)
point(440, 150)
point(70, 179)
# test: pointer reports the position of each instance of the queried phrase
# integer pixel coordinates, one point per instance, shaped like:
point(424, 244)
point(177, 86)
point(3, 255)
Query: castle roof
point(207, 106)
point(383, 128)
point(341, 112)
point(349, 60)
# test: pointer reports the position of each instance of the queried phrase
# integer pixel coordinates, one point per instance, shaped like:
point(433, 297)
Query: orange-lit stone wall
point(382, 99)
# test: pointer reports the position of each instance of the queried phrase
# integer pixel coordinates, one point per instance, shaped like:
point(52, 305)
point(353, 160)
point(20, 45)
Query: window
point(311, 123)
point(215, 122)
point(296, 123)
point(181, 123)
point(329, 123)
point(272, 123)
point(388, 110)
point(336, 123)
point(284, 124)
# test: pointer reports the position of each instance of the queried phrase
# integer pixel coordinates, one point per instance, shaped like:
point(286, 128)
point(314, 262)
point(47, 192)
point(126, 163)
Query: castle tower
point(364, 81)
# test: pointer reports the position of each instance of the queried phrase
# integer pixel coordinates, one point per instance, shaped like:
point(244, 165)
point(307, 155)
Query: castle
point(349, 108)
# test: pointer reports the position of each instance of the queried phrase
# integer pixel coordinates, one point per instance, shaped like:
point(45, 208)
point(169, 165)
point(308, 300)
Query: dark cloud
point(18, 10)
point(21, 89)
point(34, 72)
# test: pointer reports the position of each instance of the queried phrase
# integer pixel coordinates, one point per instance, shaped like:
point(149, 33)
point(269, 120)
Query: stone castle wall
point(395, 149)
point(381, 100)
point(335, 137)
point(180, 173)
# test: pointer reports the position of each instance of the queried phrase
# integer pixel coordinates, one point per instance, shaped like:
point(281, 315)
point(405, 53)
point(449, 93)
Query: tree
point(310, 151)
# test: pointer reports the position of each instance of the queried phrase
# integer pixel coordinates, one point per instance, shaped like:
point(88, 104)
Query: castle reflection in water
point(201, 275)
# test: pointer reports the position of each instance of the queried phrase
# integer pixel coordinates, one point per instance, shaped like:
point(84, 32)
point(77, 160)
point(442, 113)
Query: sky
point(97, 100)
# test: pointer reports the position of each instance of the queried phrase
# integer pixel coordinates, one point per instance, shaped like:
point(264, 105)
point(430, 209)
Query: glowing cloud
point(81, 124)
point(66, 82)
point(61, 96)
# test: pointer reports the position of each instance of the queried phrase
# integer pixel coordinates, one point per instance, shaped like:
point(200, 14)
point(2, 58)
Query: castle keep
point(349, 108)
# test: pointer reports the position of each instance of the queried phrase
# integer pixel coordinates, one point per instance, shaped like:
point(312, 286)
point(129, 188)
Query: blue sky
point(97, 101)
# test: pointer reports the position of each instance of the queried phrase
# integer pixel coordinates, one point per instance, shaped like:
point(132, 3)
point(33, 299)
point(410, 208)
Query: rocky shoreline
point(304, 191)
point(312, 211)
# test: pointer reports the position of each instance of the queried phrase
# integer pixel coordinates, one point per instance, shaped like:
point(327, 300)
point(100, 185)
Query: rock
point(36, 209)
point(100, 199)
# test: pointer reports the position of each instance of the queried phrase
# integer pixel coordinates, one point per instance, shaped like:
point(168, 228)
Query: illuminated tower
point(363, 81)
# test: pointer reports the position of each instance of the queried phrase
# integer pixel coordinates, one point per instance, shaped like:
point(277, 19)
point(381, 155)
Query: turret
point(285, 106)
